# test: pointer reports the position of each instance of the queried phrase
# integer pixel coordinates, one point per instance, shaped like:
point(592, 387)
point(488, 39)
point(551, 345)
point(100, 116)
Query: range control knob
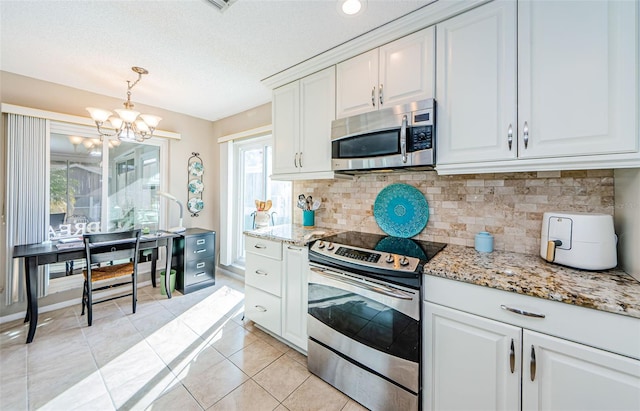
point(389, 258)
point(330, 246)
point(404, 260)
point(321, 244)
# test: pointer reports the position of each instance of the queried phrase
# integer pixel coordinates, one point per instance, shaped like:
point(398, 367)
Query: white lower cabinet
point(294, 295)
point(468, 362)
point(511, 362)
point(560, 375)
point(263, 308)
point(276, 288)
point(263, 283)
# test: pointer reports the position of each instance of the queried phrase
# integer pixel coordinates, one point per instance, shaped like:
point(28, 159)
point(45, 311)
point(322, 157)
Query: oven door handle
point(367, 286)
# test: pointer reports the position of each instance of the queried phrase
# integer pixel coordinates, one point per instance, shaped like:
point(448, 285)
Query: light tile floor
point(192, 352)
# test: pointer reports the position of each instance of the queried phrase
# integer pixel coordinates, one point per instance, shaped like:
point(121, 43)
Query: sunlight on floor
point(181, 353)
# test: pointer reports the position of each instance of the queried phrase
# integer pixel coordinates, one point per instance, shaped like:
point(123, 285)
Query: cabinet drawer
point(199, 247)
point(263, 308)
point(264, 273)
point(267, 248)
point(200, 270)
point(612, 332)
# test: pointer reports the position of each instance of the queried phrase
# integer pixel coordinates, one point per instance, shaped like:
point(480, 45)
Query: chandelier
point(128, 124)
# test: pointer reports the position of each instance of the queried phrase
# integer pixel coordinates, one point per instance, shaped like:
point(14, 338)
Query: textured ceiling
point(202, 62)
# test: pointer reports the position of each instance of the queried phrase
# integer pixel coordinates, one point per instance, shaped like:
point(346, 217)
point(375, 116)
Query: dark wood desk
point(48, 253)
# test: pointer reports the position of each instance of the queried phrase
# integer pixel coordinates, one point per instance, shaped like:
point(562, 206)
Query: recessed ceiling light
point(351, 7)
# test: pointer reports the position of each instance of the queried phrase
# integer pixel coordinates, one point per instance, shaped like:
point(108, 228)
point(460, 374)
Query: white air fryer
point(580, 240)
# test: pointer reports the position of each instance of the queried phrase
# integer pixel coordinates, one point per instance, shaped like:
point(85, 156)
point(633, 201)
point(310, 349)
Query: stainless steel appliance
point(364, 316)
point(394, 138)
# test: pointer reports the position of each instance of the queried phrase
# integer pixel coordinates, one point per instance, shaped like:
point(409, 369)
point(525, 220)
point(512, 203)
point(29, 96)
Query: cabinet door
point(578, 79)
point(295, 291)
point(407, 69)
point(476, 85)
point(470, 362)
point(286, 128)
point(317, 110)
point(357, 85)
point(562, 375)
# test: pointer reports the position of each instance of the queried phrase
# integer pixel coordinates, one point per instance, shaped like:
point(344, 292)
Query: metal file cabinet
point(194, 259)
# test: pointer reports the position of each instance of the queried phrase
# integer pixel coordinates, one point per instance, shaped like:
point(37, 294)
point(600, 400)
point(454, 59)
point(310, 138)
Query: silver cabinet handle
point(200, 274)
point(512, 357)
point(261, 308)
point(200, 265)
point(525, 133)
point(373, 96)
point(510, 136)
point(300, 160)
point(380, 95)
point(201, 241)
point(295, 161)
point(532, 364)
point(260, 272)
point(522, 312)
point(367, 286)
point(202, 250)
point(259, 246)
point(403, 139)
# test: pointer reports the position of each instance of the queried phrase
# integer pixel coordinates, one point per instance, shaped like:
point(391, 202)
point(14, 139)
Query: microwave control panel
point(420, 138)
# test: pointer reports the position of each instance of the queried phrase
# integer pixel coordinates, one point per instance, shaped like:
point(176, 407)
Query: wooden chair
point(110, 248)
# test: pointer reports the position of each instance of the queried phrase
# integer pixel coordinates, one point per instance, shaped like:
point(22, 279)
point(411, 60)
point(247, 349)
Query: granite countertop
point(292, 233)
point(611, 290)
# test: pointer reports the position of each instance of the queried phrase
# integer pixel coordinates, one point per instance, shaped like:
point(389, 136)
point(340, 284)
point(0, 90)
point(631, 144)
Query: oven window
point(366, 321)
point(368, 145)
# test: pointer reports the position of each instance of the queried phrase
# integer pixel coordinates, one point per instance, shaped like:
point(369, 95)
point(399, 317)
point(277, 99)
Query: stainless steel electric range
point(364, 316)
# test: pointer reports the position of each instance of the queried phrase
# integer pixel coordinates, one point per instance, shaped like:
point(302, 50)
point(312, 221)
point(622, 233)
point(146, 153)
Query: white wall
point(627, 219)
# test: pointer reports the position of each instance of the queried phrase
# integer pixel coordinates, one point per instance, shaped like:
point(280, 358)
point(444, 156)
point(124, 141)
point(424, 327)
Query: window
point(253, 168)
point(100, 186)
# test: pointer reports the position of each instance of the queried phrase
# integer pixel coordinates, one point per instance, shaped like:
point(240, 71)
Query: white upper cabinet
point(577, 78)
point(286, 128)
point(476, 85)
point(398, 72)
point(577, 87)
point(302, 115)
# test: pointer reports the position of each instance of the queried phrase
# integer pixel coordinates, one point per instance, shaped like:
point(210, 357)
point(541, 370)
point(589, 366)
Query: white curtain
point(27, 197)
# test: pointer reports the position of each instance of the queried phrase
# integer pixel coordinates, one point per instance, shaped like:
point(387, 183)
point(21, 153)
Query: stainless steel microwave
point(393, 138)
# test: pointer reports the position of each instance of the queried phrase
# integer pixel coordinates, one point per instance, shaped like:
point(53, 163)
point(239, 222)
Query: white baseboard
point(64, 304)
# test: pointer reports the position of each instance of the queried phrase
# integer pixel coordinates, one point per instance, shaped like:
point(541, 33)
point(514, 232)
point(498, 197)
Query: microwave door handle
point(403, 139)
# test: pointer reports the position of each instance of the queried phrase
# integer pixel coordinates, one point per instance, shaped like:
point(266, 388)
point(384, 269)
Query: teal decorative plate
point(401, 210)
point(195, 205)
point(196, 186)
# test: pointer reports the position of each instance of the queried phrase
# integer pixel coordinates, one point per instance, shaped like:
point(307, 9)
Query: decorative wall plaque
point(195, 186)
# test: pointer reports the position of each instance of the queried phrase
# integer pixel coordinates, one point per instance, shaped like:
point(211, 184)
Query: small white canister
point(484, 242)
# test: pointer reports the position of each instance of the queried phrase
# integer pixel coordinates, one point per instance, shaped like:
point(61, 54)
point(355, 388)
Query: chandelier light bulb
point(151, 120)
point(98, 114)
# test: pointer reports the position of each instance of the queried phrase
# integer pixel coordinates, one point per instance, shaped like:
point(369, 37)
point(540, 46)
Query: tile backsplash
point(508, 205)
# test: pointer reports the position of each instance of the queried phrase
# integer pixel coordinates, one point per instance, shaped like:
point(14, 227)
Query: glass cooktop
point(422, 250)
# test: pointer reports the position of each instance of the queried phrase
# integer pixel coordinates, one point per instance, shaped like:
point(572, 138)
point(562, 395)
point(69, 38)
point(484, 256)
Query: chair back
point(104, 247)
